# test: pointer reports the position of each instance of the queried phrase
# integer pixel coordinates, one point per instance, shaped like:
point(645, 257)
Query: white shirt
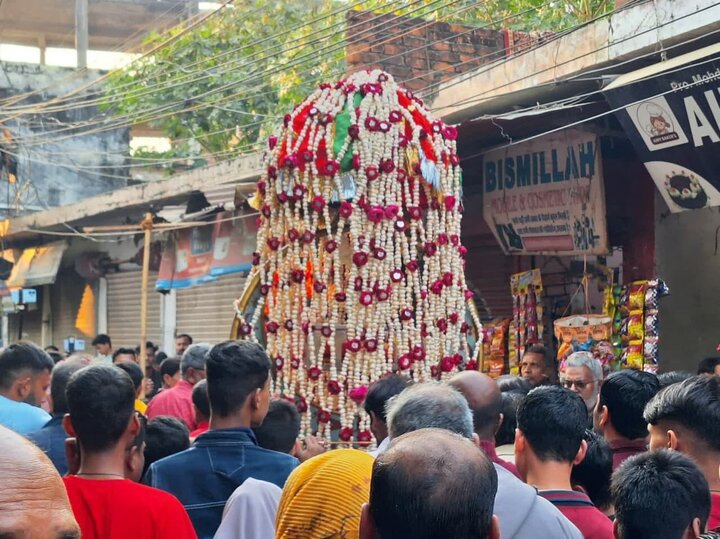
point(381, 448)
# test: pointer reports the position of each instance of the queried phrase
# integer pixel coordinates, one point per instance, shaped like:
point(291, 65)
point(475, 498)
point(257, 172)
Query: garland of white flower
point(387, 188)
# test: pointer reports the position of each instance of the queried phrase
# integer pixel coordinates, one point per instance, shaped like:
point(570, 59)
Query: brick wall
point(399, 45)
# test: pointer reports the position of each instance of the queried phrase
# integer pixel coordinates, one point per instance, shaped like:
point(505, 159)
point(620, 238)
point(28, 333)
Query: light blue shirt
point(21, 417)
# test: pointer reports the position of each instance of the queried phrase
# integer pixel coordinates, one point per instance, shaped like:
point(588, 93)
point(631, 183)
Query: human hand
point(311, 446)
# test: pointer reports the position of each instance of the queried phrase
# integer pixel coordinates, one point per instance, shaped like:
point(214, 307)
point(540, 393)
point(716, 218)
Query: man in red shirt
point(685, 417)
point(106, 505)
point(549, 441)
point(177, 401)
point(485, 400)
point(660, 494)
point(618, 415)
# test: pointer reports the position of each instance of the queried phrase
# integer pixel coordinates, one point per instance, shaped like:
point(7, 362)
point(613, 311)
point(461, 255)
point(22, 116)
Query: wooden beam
point(243, 171)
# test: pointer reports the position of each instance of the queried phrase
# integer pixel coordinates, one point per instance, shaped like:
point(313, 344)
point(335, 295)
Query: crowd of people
point(197, 446)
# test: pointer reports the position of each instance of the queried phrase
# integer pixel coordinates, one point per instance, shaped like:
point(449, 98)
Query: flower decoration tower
point(359, 258)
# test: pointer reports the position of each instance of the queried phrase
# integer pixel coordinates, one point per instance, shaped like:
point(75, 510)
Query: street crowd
point(92, 447)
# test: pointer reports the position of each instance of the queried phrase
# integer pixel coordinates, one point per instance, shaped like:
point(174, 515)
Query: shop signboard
point(546, 195)
point(186, 259)
point(198, 255)
point(671, 113)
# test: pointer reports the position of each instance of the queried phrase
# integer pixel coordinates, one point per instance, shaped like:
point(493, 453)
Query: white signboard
point(546, 196)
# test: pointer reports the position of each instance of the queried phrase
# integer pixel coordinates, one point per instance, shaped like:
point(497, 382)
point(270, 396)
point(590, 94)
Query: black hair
point(56, 357)
point(508, 382)
point(18, 359)
point(593, 474)
point(61, 375)
point(553, 421)
point(160, 357)
point(510, 403)
point(51, 348)
point(673, 377)
point(381, 391)
point(707, 365)
point(200, 398)
point(164, 436)
point(123, 351)
point(658, 494)
point(234, 370)
point(694, 403)
point(102, 339)
point(431, 495)
point(133, 370)
point(626, 393)
point(185, 336)
point(148, 345)
point(170, 366)
point(280, 428)
point(101, 401)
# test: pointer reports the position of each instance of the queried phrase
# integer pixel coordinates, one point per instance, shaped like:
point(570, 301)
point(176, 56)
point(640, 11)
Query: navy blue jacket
point(51, 439)
point(204, 476)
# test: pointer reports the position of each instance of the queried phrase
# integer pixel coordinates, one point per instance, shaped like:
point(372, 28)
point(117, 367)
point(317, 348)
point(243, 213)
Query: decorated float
point(359, 267)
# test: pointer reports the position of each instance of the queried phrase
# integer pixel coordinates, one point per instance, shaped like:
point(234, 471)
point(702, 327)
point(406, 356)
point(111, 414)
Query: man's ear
point(672, 442)
point(134, 425)
point(367, 525)
point(581, 453)
point(494, 532)
point(616, 530)
point(296, 448)
point(519, 441)
point(604, 416)
point(476, 439)
point(500, 420)
point(255, 402)
point(23, 387)
point(68, 426)
point(695, 529)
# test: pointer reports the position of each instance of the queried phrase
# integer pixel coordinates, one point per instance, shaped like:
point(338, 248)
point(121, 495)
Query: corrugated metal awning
point(37, 266)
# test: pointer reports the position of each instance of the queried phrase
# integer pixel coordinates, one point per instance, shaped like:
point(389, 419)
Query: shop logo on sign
point(656, 123)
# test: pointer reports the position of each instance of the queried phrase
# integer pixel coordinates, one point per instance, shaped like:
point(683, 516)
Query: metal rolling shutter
point(488, 271)
point(123, 306)
point(206, 311)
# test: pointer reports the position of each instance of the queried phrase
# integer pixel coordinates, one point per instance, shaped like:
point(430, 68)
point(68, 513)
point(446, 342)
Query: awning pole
point(147, 226)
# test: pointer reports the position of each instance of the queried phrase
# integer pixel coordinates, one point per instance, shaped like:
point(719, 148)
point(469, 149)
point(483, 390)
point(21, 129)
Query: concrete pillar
point(42, 45)
point(81, 32)
point(46, 329)
point(168, 312)
point(102, 305)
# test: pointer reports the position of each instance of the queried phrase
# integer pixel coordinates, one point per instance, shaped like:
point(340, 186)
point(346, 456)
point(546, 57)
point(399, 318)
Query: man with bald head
point(485, 400)
point(33, 502)
point(524, 514)
point(417, 491)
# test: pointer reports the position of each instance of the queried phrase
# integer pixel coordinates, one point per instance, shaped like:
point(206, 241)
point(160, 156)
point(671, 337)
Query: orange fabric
point(323, 497)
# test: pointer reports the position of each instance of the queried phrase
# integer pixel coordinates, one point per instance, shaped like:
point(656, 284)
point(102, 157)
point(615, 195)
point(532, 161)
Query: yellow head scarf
point(323, 497)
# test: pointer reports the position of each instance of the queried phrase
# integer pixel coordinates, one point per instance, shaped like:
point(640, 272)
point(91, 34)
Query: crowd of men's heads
point(432, 481)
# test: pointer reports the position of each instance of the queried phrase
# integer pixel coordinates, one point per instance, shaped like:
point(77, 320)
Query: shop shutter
point(123, 309)
point(206, 311)
point(488, 272)
point(66, 299)
point(31, 323)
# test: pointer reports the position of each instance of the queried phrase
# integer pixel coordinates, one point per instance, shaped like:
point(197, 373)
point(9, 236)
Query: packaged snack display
point(585, 333)
point(636, 325)
point(526, 288)
point(495, 347)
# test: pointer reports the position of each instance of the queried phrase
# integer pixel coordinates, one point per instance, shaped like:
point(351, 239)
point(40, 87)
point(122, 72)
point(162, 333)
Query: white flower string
point(359, 244)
